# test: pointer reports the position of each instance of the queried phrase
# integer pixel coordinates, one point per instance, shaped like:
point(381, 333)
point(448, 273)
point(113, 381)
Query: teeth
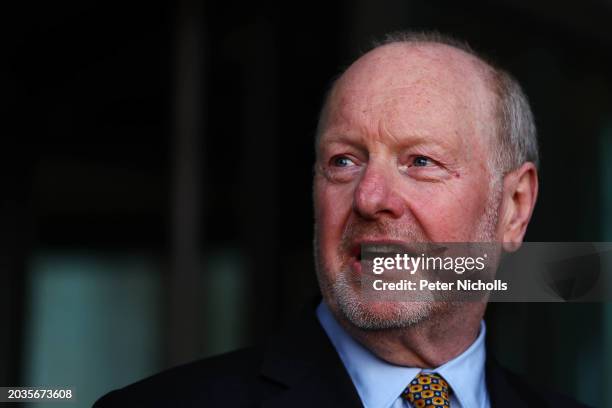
point(384, 248)
point(400, 249)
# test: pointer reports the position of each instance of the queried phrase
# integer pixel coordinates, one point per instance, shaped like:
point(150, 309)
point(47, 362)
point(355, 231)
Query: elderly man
point(419, 140)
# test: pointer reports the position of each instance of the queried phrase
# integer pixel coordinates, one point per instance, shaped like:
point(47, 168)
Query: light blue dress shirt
point(380, 384)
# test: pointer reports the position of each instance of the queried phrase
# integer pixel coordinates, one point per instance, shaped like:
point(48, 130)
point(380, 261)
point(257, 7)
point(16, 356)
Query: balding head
point(510, 128)
point(433, 87)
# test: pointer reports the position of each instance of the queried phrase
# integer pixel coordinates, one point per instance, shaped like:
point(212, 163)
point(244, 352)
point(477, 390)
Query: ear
point(520, 194)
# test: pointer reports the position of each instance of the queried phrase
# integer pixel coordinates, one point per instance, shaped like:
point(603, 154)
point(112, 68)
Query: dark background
point(157, 157)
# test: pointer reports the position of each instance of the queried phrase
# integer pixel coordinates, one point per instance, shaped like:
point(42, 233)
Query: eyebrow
point(405, 141)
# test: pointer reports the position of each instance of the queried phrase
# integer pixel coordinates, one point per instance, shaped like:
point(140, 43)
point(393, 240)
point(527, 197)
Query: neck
point(427, 344)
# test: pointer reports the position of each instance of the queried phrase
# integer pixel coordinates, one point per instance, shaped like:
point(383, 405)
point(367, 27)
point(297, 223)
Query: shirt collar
point(466, 373)
point(380, 383)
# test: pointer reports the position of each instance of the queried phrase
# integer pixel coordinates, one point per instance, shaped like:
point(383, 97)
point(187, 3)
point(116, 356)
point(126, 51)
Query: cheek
point(450, 213)
point(333, 205)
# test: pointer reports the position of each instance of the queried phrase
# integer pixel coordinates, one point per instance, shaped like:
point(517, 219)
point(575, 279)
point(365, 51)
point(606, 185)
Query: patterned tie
point(427, 390)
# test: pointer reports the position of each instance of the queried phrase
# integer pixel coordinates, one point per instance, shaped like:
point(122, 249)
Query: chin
point(367, 314)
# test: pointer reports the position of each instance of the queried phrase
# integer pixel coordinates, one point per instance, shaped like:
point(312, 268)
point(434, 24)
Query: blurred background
point(156, 173)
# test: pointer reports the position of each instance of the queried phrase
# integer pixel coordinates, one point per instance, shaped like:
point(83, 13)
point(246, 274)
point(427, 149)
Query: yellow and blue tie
point(427, 390)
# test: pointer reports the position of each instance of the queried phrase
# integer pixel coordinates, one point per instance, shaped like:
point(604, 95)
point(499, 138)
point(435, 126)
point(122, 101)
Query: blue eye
point(342, 161)
point(421, 161)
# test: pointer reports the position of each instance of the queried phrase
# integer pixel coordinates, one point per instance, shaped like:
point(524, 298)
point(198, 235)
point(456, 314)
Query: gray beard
point(342, 296)
point(399, 314)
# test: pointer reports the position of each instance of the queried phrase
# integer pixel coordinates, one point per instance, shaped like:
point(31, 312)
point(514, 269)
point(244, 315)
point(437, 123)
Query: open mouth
point(364, 250)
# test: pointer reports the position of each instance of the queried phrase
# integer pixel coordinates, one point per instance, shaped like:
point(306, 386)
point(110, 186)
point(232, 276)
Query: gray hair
point(516, 132)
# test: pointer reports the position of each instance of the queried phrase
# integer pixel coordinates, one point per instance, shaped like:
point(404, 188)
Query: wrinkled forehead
point(430, 86)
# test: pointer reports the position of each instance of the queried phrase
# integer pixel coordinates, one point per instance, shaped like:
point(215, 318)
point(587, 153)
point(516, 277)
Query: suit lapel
point(304, 363)
point(502, 393)
point(313, 392)
point(303, 360)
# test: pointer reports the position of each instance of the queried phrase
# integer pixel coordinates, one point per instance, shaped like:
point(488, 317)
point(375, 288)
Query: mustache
point(383, 228)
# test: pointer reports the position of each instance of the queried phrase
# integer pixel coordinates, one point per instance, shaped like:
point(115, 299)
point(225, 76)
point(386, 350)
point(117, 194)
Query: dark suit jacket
point(298, 368)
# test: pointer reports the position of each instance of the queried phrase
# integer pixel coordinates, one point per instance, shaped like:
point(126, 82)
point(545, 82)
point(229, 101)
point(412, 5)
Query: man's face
point(403, 155)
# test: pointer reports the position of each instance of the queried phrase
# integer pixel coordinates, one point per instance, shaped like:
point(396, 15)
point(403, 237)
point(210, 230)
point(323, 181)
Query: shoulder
point(508, 389)
point(535, 392)
point(298, 366)
point(212, 381)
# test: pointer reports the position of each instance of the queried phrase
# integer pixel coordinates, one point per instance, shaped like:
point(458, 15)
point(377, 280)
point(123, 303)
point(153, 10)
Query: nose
point(377, 194)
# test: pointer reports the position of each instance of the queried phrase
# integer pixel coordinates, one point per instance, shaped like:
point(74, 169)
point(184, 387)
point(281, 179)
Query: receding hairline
point(482, 69)
point(514, 122)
